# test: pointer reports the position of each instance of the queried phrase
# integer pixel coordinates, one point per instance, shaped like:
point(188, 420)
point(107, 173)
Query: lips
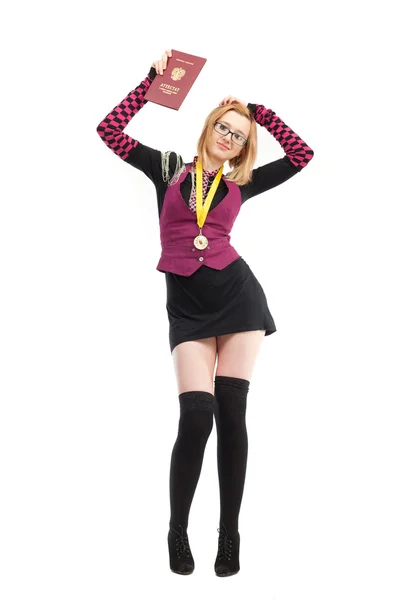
point(222, 146)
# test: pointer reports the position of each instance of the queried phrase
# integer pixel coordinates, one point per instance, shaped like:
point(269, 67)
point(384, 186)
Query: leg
point(236, 360)
point(237, 353)
point(194, 365)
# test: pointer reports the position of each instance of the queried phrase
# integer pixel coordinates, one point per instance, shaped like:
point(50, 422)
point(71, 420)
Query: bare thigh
point(194, 364)
point(237, 353)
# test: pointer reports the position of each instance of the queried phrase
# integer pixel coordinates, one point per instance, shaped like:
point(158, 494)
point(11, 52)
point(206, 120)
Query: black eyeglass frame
point(232, 132)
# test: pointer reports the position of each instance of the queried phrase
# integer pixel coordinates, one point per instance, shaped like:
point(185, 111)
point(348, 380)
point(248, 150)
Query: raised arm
point(111, 127)
point(158, 166)
point(296, 150)
point(297, 154)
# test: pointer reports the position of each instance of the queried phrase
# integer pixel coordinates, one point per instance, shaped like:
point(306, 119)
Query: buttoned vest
point(179, 227)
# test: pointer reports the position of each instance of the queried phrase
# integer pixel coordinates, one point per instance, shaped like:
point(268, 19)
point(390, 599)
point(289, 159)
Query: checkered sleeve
point(296, 150)
point(110, 129)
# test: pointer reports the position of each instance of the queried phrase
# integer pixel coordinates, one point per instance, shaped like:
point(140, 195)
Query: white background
point(89, 404)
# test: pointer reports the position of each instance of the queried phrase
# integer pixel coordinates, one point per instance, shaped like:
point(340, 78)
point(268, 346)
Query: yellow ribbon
point(202, 211)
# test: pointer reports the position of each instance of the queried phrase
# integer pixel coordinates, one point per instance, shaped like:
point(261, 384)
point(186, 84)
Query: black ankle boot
point(181, 559)
point(227, 559)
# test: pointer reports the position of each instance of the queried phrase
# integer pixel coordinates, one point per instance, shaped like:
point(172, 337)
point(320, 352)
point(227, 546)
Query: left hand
point(231, 100)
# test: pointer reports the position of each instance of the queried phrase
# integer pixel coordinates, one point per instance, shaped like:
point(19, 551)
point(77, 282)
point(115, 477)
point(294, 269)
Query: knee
point(231, 396)
point(231, 387)
point(196, 414)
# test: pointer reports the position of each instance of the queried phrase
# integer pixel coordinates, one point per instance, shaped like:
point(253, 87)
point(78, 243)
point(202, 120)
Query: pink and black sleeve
point(111, 128)
point(132, 151)
point(297, 154)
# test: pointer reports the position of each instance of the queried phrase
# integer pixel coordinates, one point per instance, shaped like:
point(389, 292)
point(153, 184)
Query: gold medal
point(200, 241)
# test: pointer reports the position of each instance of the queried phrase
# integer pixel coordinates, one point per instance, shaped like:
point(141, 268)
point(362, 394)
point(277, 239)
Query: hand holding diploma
point(161, 64)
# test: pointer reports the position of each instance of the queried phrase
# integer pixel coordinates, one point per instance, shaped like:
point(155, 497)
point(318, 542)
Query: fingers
point(161, 65)
point(229, 100)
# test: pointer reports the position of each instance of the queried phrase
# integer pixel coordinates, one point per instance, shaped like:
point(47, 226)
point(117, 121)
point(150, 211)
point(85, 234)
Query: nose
point(223, 139)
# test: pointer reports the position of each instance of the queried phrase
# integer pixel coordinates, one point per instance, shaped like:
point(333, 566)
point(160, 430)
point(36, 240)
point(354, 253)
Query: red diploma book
point(171, 88)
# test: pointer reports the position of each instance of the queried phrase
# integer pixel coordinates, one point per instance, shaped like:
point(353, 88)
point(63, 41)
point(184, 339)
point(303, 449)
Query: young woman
point(216, 307)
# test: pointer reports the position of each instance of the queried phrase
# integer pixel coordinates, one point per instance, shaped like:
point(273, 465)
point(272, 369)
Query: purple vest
point(179, 227)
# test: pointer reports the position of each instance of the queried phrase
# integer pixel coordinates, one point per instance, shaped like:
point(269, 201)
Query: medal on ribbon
point(201, 241)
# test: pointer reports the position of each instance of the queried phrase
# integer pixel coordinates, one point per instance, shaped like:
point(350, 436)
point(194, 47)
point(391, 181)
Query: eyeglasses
point(236, 137)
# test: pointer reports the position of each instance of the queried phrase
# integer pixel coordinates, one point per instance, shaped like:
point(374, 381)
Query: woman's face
point(223, 147)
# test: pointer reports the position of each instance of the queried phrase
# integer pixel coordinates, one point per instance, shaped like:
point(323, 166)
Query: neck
point(211, 164)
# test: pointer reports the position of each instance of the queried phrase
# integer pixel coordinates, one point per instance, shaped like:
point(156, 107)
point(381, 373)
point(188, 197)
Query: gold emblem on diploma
point(177, 73)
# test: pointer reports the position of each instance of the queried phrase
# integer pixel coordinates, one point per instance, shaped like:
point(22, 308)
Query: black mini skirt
point(214, 302)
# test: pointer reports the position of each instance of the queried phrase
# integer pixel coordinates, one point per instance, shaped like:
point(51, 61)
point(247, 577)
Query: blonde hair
point(242, 165)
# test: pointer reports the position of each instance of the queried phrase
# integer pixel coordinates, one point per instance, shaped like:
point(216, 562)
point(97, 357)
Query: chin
point(220, 152)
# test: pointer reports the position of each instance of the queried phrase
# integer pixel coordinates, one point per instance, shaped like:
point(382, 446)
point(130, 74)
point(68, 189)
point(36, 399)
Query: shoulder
point(172, 166)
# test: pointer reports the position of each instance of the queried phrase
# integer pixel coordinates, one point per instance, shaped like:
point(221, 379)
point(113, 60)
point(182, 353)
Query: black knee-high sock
point(194, 428)
point(230, 416)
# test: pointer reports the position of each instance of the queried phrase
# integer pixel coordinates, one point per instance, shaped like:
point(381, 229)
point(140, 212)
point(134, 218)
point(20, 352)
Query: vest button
point(200, 258)
point(193, 249)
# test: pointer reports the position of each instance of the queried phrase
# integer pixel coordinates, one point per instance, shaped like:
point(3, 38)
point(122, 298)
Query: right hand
point(161, 65)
